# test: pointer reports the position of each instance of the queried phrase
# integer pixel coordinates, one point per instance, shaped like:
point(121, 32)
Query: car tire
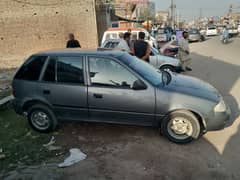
point(41, 118)
point(168, 68)
point(181, 127)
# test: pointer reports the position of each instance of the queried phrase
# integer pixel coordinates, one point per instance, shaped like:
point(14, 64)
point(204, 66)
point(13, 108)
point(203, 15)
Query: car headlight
point(220, 107)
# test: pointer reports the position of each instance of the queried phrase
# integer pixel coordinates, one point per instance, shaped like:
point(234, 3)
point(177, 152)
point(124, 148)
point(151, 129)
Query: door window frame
point(116, 61)
point(64, 83)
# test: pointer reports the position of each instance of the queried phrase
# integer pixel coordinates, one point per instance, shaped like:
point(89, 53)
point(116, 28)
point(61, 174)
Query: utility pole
point(172, 9)
point(200, 13)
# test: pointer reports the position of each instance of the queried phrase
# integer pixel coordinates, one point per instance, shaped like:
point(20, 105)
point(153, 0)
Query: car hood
point(192, 86)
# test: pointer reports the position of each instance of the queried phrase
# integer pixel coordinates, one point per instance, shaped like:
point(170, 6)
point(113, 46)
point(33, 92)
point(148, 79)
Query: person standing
point(72, 42)
point(140, 48)
point(124, 43)
point(184, 52)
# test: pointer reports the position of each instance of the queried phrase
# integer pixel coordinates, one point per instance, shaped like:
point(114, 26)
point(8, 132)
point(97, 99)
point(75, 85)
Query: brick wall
point(28, 26)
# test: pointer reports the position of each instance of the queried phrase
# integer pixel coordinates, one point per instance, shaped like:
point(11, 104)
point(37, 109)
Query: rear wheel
point(41, 118)
point(181, 127)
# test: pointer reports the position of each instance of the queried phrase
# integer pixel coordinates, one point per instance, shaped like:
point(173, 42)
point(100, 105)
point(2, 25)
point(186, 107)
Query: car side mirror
point(139, 85)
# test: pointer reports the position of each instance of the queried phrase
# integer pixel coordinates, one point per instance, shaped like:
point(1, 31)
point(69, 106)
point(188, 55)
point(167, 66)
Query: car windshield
point(149, 73)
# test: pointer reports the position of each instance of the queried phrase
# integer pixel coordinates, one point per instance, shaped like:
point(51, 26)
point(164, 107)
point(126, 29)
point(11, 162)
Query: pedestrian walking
point(184, 52)
point(72, 42)
point(124, 43)
point(140, 48)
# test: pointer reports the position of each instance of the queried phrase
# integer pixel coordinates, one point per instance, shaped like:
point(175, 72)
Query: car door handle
point(46, 91)
point(99, 96)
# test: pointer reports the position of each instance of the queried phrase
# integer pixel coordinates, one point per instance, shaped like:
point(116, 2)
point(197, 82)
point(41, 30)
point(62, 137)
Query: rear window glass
point(211, 28)
point(31, 69)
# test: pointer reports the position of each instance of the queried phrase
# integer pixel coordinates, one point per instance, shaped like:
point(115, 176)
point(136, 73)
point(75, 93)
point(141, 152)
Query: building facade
point(28, 26)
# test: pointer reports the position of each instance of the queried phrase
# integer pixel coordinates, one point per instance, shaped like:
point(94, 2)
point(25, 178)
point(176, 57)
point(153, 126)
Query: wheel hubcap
point(40, 120)
point(180, 128)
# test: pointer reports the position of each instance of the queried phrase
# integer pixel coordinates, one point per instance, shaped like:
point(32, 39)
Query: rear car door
point(111, 97)
point(64, 86)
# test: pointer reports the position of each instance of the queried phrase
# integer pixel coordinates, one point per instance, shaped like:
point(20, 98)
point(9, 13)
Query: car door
point(111, 97)
point(156, 58)
point(64, 86)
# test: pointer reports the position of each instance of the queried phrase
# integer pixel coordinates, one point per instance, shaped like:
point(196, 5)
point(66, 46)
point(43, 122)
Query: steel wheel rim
point(40, 120)
point(180, 128)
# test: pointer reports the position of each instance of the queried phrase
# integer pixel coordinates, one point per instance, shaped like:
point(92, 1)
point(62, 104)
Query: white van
point(211, 31)
point(113, 33)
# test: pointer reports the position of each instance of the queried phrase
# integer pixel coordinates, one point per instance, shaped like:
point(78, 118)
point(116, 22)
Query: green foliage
point(19, 143)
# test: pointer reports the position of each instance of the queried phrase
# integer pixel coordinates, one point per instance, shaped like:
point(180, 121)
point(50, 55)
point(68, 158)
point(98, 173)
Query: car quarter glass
point(31, 69)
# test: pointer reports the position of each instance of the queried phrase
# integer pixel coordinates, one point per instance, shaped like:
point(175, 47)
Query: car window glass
point(111, 44)
point(31, 69)
point(115, 36)
point(49, 74)
point(108, 45)
point(106, 72)
point(70, 70)
point(107, 36)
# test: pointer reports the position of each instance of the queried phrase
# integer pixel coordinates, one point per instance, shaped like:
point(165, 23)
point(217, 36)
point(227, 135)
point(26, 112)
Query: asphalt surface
point(128, 152)
point(219, 64)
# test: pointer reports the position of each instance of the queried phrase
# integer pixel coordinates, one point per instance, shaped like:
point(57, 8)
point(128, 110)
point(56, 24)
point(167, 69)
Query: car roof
point(78, 51)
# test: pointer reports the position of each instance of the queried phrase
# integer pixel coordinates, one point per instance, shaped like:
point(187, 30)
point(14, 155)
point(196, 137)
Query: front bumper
point(219, 120)
point(178, 69)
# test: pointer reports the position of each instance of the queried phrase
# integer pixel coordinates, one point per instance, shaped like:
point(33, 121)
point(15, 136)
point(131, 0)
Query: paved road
point(120, 152)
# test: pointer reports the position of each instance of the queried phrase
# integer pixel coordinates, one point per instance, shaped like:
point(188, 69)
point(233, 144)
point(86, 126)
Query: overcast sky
point(189, 9)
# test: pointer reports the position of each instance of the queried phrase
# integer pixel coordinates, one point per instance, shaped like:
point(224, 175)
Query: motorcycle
point(225, 38)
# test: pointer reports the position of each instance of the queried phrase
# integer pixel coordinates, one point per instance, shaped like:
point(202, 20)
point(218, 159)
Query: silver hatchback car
point(156, 59)
point(115, 87)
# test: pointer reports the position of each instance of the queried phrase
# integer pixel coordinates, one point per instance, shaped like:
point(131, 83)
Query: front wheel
point(181, 127)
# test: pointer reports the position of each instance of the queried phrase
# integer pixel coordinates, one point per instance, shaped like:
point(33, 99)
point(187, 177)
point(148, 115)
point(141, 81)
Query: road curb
point(6, 100)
